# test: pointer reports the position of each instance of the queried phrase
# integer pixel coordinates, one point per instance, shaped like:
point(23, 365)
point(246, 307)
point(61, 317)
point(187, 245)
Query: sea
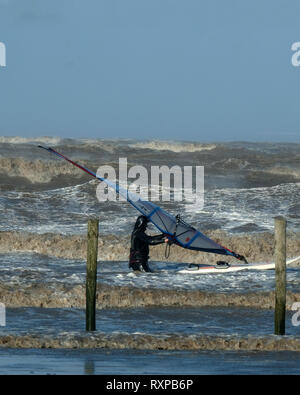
point(163, 322)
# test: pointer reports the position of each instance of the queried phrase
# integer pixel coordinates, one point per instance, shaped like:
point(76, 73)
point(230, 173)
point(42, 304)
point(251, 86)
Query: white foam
point(27, 140)
point(29, 268)
point(174, 146)
point(233, 207)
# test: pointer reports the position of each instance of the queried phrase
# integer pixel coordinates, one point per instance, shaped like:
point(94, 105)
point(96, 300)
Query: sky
point(209, 70)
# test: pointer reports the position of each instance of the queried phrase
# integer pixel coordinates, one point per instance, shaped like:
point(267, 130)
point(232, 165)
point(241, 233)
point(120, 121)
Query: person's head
point(141, 223)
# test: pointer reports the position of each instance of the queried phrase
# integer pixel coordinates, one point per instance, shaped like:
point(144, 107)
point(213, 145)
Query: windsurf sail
point(174, 227)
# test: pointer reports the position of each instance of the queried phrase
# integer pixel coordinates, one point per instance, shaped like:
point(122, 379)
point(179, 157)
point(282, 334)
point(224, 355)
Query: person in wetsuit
point(140, 241)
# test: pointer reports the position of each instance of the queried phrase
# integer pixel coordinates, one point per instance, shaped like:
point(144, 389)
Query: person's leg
point(146, 267)
point(140, 266)
point(136, 266)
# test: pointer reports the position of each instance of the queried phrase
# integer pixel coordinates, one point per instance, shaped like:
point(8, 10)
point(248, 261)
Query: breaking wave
point(257, 247)
point(28, 140)
point(44, 170)
point(226, 165)
point(111, 145)
point(59, 295)
point(37, 171)
point(151, 342)
point(173, 146)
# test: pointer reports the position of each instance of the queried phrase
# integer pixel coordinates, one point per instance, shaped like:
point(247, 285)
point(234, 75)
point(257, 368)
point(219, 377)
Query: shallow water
point(139, 362)
point(164, 320)
point(25, 269)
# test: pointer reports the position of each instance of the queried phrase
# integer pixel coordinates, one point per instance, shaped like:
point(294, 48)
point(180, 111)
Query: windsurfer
point(174, 229)
point(140, 241)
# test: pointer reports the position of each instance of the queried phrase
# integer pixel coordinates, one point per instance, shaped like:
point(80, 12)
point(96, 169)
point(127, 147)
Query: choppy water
point(43, 198)
point(66, 210)
point(237, 321)
point(25, 269)
point(246, 185)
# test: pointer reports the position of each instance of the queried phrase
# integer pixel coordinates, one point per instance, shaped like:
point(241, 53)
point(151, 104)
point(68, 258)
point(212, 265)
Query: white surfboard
point(195, 268)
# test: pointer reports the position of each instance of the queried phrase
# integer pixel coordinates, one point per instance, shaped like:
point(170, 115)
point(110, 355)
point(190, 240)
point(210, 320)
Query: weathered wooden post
point(91, 274)
point(280, 275)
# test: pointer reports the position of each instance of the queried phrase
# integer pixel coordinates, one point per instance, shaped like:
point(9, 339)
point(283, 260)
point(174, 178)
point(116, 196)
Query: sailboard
point(199, 269)
point(175, 228)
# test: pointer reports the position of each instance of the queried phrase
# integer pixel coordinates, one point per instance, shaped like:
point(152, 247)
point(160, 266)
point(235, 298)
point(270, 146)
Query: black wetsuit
point(139, 250)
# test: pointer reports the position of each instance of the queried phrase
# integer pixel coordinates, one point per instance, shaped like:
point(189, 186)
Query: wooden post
point(280, 275)
point(91, 274)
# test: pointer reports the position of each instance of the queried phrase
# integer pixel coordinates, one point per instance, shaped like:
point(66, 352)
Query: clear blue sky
point(209, 70)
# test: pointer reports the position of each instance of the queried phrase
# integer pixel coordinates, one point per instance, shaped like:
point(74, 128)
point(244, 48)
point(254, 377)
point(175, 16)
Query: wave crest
point(28, 140)
point(78, 340)
point(174, 146)
point(37, 171)
point(256, 247)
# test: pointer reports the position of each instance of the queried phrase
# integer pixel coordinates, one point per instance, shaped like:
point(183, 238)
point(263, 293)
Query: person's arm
point(152, 240)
